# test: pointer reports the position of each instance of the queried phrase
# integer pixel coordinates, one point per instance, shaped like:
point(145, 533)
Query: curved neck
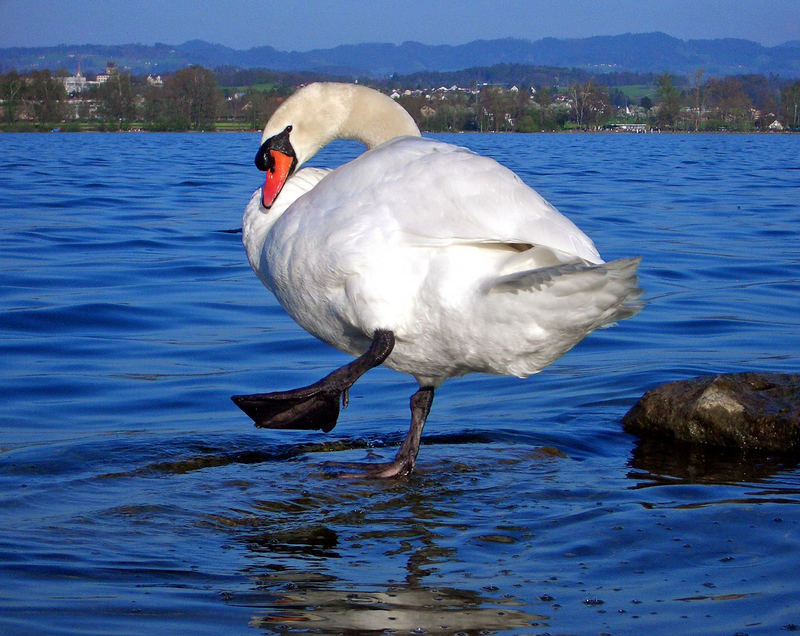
point(373, 118)
point(324, 111)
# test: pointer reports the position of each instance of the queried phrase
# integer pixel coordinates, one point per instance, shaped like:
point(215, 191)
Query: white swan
point(418, 254)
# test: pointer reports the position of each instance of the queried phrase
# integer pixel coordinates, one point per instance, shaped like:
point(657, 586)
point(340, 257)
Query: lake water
point(136, 498)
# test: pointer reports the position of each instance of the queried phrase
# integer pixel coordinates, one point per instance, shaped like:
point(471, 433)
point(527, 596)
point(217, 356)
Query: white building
point(76, 83)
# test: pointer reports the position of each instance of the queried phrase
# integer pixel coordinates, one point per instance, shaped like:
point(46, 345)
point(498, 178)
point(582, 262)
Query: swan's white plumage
point(470, 268)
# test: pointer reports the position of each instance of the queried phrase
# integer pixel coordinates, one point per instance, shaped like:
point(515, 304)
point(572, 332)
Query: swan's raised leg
point(315, 407)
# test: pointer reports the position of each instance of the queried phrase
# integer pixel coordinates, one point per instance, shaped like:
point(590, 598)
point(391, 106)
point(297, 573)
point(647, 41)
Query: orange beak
point(276, 176)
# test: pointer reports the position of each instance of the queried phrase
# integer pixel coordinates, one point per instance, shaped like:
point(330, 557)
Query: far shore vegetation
point(506, 98)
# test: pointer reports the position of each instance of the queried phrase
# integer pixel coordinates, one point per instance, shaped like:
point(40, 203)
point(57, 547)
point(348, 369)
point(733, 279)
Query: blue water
point(136, 498)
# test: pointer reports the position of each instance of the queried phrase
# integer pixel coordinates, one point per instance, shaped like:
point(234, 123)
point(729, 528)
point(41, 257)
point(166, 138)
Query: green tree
point(258, 108)
point(790, 105)
point(11, 90)
point(669, 100)
point(48, 96)
point(543, 96)
point(533, 119)
point(500, 107)
point(590, 104)
point(192, 96)
point(732, 105)
point(117, 98)
point(153, 105)
point(698, 102)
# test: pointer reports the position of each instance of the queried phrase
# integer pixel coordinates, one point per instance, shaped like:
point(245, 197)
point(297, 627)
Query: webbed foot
point(301, 409)
point(315, 407)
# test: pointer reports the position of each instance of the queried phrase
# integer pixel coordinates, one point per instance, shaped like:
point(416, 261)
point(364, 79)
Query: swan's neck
point(257, 222)
point(322, 112)
point(374, 118)
point(318, 114)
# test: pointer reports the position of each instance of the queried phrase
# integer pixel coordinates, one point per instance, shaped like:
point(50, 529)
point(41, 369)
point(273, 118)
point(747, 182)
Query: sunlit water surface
point(137, 499)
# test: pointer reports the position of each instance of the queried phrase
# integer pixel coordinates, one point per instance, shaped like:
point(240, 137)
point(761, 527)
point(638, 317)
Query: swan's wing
point(440, 194)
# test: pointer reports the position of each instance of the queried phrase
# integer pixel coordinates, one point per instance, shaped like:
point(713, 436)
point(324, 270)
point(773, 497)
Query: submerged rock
point(759, 411)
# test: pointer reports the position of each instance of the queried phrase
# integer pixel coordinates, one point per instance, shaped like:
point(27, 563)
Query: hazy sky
point(302, 25)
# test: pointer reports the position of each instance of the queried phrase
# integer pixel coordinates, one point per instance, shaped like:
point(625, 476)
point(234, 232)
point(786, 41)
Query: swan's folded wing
point(437, 193)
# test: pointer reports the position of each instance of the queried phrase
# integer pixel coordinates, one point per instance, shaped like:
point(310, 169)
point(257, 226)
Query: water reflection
point(316, 540)
point(659, 461)
point(298, 605)
point(361, 556)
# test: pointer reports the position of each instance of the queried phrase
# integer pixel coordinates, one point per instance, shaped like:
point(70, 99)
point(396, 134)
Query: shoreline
point(226, 130)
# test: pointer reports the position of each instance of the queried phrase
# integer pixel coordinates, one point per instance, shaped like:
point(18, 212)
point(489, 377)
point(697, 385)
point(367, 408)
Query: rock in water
point(759, 411)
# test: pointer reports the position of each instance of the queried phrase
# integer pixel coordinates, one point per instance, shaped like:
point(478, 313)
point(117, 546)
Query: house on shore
point(78, 83)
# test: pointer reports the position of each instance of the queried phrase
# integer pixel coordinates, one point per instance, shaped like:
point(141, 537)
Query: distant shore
point(71, 129)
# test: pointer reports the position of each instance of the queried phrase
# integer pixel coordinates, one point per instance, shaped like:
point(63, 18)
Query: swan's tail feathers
point(597, 295)
point(623, 273)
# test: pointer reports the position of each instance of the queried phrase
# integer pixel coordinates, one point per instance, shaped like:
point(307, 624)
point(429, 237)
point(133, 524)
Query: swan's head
point(278, 159)
point(317, 114)
point(303, 124)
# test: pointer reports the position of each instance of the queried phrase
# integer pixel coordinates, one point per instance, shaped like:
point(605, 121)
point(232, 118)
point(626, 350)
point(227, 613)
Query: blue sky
point(303, 25)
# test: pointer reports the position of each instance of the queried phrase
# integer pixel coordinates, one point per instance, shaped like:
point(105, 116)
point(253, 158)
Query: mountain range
point(639, 53)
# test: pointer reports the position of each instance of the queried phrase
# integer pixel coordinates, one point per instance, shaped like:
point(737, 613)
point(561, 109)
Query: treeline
point(666, 102)
point(194, 98)
point(501, 98)
point(189, 99)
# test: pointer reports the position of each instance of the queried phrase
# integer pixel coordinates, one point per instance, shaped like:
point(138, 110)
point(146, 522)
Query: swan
point(419, 255)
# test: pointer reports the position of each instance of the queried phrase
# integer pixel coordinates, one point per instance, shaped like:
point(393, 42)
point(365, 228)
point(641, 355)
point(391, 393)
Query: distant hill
point(638, 53)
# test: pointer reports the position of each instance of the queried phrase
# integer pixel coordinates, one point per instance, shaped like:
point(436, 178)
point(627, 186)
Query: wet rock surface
point(759, 411)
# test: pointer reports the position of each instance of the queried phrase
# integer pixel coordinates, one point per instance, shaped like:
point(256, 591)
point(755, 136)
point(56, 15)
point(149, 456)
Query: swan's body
point(468, 268)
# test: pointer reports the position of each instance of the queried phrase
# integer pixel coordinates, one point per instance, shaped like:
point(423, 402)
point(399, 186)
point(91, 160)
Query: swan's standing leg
point(403, 462)
point(316, 406)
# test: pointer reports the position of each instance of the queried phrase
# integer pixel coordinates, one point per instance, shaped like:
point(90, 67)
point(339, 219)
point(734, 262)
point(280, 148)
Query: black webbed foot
point(295, 410)
point(315, 407)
